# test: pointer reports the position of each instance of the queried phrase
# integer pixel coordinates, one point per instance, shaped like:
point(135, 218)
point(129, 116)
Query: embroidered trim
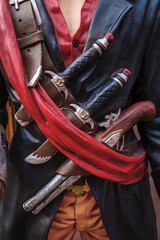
point(78, 190)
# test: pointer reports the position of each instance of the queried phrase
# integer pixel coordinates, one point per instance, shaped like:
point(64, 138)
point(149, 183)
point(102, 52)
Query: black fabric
point(156, 178)
point(3, 100)
point(3, 118)
point(23, 181)
point(7, 89)
point(49, 34)
point(127, 211)
point(3, 93)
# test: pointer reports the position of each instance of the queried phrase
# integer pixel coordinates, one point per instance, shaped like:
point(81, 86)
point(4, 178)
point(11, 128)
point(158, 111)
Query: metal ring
point(118, 81)
point(97, 48)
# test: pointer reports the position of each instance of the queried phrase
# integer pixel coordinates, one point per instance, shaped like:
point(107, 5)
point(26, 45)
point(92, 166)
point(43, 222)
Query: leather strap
point(31, 41)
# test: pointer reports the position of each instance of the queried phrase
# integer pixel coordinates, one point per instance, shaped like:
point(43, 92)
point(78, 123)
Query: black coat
point(127, 210)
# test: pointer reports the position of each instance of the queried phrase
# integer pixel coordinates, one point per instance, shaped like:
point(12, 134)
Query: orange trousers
point(78, 213)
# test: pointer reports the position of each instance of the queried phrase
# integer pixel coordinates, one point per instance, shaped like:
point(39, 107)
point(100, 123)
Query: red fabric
point(75, 144)
point(64, 39)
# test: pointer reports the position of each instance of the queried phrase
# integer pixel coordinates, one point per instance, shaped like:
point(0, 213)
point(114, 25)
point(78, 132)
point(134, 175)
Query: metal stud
point(60, 82)
point(84, 114)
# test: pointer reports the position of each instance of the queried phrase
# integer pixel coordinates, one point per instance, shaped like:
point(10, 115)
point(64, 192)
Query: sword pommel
point(110, 37)
point(127, 72)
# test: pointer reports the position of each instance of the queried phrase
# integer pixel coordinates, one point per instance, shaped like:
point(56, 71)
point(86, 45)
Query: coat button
point(75, 43)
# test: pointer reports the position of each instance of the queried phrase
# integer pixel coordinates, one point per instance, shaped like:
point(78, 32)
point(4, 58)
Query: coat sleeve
point(147, 88)
point(3, 100)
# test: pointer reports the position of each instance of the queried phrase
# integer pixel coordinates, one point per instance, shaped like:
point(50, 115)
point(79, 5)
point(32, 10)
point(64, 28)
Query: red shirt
point(71, 47)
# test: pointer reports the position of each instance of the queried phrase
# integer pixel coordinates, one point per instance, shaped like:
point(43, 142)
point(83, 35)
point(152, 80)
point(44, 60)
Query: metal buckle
point(83, 115)
point(16, 3)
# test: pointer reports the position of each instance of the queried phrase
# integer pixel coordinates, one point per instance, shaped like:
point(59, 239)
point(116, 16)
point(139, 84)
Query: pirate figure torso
point(97, 84)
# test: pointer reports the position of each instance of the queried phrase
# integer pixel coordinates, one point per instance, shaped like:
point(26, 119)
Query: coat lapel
point(107, 18)
point(50, 38)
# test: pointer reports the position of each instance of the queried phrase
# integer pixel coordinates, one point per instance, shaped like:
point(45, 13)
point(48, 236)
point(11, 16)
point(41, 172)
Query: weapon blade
point(68, 182)
point(31, 203)
point(43, 154)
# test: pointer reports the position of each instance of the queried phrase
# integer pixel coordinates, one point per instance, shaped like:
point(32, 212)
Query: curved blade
point(43, 154)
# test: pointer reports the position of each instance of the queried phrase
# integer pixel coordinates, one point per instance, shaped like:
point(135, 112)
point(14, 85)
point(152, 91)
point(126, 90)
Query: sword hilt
point(87, 57)
point(104, 95)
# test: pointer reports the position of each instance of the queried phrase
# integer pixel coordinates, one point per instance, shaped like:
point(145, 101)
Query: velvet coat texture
point(127, 210)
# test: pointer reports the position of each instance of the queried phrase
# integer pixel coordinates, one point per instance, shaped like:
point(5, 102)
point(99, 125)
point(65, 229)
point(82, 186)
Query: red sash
point(81, 148)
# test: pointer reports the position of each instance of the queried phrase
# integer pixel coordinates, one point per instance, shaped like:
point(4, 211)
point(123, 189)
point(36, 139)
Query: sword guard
point(83, 115)
point(110, 119)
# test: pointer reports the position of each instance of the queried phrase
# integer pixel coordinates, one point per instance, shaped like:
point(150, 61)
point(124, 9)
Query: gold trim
point(78, 190)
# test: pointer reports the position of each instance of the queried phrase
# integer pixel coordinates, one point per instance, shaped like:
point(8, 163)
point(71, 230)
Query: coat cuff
point(156, 178)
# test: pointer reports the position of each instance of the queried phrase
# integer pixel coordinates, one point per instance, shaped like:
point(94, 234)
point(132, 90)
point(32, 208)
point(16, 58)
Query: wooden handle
point(141, 111)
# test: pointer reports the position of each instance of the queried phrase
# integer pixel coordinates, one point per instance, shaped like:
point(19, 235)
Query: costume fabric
point(78, 213)
point(123, 207)
point(71, 47)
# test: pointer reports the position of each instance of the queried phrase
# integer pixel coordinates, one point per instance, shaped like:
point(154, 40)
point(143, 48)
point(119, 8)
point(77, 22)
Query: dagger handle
point(103, 96)
point(141, 111)
point(87, 57)
point(79, 64)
